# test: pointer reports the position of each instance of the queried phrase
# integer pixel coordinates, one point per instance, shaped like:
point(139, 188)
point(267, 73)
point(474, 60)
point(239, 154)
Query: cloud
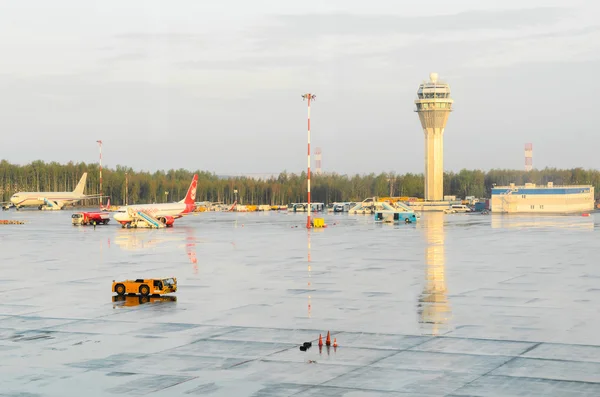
point(346, 52)
point(298, 46)
point(552, 48)
point(339, 24)
point(300, 42)
point(149, 51)
point(153, 36)
point(132, 56)
point(576, 32)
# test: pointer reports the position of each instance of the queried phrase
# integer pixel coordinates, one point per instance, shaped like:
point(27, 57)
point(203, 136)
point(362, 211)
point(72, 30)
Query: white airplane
point(49, 200)
point(165, 213)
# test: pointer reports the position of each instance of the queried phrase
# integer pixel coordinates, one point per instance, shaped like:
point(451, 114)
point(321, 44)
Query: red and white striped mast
point(100, 144)
point(308, 97)
point(528, 157)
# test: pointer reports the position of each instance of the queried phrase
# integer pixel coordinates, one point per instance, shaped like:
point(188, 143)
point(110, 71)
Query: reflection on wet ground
point(433, 307)
point(455, 305)
point(134, 300)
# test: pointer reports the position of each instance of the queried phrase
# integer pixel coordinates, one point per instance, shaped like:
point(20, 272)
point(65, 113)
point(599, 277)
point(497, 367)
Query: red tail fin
point(190, 197)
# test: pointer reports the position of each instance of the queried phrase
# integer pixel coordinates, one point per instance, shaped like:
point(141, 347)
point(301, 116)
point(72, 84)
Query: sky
point(217, 86)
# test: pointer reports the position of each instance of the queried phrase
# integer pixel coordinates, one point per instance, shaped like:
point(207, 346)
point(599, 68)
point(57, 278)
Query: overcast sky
point(216, 85)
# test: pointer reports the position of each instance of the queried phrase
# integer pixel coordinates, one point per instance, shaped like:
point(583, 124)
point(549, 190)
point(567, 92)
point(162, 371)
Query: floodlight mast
point(100, 145)
point(309, 97)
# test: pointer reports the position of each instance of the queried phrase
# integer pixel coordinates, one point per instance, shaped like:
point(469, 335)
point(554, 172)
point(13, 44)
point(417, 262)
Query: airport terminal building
point(542, 199)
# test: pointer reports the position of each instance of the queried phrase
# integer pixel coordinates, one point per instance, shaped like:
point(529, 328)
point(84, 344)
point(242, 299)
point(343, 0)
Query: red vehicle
point(90, 218)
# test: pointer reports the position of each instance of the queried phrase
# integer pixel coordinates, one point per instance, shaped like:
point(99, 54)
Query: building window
point(541, 207)
point(533, 207)
point(523, 196)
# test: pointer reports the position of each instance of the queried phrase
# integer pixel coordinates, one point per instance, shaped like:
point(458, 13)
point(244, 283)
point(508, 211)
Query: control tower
point(434, 106)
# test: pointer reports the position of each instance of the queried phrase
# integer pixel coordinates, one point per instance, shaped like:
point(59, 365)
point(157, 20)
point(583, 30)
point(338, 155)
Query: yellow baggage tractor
point(145, 287)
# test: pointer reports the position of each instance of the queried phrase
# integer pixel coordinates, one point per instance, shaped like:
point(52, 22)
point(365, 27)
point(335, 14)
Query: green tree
point(145, 187)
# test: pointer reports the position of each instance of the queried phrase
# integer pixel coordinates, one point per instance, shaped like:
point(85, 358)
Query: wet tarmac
point(456, 305)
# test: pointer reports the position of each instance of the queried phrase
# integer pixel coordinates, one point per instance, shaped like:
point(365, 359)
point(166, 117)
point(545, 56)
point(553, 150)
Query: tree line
point(172, 185)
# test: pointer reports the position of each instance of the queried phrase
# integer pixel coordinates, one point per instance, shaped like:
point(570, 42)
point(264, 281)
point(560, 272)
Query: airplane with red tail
point(107, 208)
point(166, 212)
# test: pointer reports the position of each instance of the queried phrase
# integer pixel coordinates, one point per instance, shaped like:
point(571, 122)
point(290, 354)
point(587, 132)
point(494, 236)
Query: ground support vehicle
point(90, 218)
point(146, 220)
point(146, 287)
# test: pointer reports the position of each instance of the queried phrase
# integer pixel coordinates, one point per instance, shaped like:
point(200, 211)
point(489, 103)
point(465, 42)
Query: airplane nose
point(13, 200)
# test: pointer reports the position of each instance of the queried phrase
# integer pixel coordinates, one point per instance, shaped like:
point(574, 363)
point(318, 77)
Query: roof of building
point(531, 188)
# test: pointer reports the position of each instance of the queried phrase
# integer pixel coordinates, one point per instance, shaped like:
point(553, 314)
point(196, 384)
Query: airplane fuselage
point(156, 210)
point(36, 199)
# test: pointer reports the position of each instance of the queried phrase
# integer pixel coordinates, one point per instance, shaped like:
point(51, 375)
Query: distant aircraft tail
point(107, 205)
point(190, 197)
point(81, 185)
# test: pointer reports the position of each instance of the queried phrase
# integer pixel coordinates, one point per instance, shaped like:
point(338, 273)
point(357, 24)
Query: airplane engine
point(167, 220)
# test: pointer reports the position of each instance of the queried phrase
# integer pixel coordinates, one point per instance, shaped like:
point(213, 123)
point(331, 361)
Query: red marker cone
point(320, 340)
point(328, 340)
point(334, 342)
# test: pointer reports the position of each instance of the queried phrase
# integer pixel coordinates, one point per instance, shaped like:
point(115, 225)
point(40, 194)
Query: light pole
point(126, 187)
point(166, 194)
point(308, 97)
point(234, 207)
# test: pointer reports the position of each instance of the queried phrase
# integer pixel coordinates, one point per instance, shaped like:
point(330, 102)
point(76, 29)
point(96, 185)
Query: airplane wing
point(182, 215)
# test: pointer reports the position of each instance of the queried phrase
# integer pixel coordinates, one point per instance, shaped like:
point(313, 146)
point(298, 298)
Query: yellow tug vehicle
point(145, 287)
